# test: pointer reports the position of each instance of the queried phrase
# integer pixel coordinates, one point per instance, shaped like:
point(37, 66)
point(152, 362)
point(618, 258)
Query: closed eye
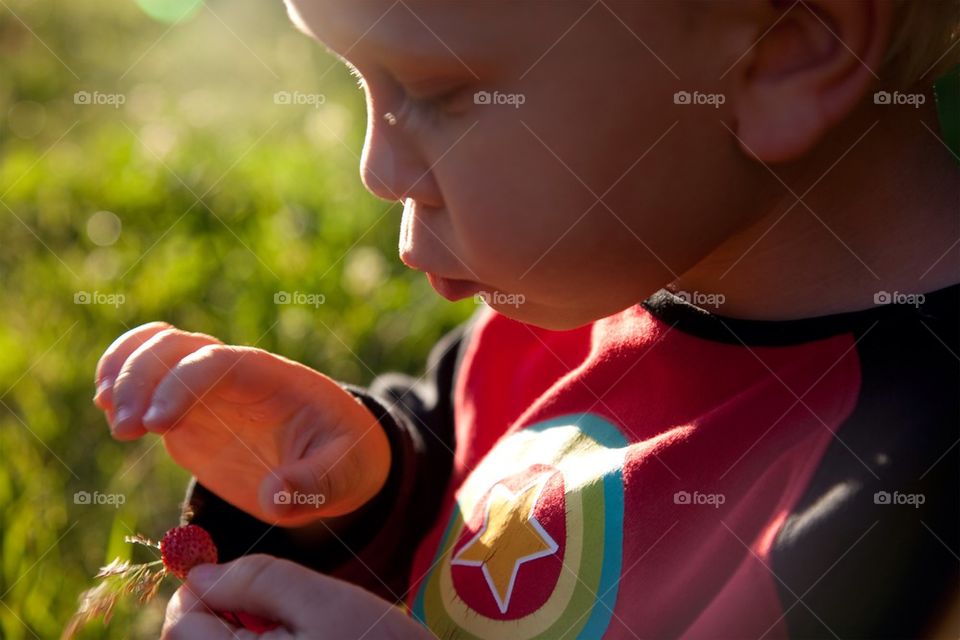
point(448, 101)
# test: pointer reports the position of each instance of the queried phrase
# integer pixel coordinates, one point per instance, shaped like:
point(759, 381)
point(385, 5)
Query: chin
point(550, 318)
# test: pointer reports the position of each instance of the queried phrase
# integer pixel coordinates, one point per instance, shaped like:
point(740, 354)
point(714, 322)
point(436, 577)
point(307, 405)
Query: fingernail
point(105, 385)
point(122, 415)
point(152, 414)
point(203, 575)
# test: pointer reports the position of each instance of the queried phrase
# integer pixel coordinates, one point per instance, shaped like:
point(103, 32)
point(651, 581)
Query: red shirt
point(665, 473)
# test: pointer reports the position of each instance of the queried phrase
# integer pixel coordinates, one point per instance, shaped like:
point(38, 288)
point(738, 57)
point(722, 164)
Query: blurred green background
point(180, 161)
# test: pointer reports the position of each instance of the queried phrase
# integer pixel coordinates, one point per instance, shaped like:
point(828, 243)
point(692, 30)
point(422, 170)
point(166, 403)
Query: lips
point(452, 289)
point(413, 249)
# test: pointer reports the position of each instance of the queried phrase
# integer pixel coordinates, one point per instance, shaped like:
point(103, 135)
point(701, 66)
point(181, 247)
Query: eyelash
point(432, 108)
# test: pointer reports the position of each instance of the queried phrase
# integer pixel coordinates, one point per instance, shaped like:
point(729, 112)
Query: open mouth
point(452, 289)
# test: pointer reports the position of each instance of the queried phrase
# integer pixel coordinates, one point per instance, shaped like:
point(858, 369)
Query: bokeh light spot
point(103, 228)
point(169, 11)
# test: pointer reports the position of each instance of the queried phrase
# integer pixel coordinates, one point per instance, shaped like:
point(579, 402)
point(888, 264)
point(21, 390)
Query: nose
point(393, 168)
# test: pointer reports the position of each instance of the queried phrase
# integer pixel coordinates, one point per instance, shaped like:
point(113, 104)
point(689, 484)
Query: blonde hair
point(924, 42)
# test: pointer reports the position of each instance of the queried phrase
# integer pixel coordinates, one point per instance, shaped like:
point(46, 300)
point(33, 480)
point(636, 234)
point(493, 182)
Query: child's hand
point(307, 604)
point(247, 423)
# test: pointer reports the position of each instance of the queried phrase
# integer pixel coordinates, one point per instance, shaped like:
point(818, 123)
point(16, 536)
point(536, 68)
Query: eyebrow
point(394, 49)
point(403, 56)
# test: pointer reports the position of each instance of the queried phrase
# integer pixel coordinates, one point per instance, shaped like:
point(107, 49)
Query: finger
point(141, 373)
point(275, 589)
point(315, 486)
point(332, 478)
point(188, 617)
point(196, 375)
point(303, 601)
point(182, 603)
point(208, 626)
point(116, 354)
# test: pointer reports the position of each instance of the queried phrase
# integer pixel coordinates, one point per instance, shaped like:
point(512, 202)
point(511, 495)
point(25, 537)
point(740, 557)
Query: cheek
point(515, 206)
point(521, 192)
point(509, 202)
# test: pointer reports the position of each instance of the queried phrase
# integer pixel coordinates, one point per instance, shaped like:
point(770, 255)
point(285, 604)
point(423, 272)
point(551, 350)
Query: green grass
point(224, 198)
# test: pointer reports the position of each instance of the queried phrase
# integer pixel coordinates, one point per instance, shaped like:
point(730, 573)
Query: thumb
point(258, 584)
point(187, 617)
point(298, 493)
point(325, 483)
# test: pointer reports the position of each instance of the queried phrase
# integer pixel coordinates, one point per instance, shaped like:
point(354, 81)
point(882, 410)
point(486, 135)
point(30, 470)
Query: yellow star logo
point(509, 537)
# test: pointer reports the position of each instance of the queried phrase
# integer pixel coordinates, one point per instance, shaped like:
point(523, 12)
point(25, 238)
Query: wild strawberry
point(182, 548)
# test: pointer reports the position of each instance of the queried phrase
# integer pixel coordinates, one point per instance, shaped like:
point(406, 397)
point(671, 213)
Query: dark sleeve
point(872, 548)
point(372, 547)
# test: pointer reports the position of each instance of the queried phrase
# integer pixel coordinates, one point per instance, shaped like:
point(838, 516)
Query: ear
point(814, 62)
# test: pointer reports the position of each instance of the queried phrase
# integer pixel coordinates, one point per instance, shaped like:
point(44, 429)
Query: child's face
point(581, 187)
